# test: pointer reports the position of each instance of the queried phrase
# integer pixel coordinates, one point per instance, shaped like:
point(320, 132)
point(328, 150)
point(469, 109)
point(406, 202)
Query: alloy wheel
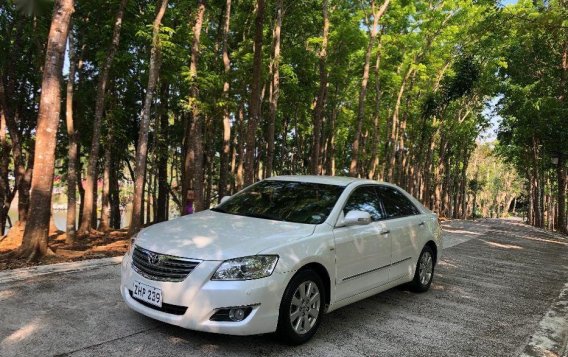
point(305, 307)
point(426, 268)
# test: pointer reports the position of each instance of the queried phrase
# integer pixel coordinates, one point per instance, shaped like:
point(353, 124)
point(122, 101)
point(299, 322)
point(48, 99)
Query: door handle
point(385, 232)
point(421, 224)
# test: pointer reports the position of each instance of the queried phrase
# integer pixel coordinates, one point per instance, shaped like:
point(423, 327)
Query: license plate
point(148, 293)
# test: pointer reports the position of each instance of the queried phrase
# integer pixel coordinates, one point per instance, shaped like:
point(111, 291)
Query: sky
point(490, 112)
point(508, 2)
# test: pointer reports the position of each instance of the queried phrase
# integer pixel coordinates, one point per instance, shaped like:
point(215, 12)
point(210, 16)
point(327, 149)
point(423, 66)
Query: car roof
point(327, 180)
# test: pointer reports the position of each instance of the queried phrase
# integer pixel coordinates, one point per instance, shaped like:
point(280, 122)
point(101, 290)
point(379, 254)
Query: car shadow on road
point(338, 328)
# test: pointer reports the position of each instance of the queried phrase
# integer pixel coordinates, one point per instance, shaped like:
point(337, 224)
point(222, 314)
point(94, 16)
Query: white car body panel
point(218, 236)
point(361, 252)
point(358, 259)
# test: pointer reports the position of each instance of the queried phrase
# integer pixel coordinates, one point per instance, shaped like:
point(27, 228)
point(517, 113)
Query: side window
point(365, 199)
point(396, 204)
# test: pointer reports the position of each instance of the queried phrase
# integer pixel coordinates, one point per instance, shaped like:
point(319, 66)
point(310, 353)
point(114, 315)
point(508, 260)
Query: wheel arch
point(323, 274)
point(432, 245)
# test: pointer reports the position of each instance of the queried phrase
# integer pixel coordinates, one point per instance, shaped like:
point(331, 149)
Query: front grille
point(161, 267)
point(167, 308)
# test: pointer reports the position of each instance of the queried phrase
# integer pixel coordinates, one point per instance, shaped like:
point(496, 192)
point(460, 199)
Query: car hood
point(212, 235)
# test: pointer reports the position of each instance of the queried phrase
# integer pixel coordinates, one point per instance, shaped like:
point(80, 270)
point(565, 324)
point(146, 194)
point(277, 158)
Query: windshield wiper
point(253, 215)
point(261, 215)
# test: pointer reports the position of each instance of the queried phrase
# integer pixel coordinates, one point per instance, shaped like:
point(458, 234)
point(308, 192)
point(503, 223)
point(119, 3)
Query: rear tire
point(424, 271)
point(301, 308)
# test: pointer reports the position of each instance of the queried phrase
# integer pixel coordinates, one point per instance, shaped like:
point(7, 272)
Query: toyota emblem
point(153, 258)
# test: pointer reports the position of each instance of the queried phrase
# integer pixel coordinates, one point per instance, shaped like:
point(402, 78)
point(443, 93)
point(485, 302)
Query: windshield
point(299, 202)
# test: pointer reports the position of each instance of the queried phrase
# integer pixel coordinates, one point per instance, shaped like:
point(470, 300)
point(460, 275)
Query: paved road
point(496, 282)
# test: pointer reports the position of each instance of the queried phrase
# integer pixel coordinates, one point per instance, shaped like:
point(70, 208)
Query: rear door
point(362, 252)
point(404, 222)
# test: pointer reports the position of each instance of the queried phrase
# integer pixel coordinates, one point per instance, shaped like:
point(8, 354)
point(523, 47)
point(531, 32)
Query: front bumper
point(203, 297)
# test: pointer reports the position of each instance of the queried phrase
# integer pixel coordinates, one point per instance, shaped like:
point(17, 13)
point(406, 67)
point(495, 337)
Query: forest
point(157, 104)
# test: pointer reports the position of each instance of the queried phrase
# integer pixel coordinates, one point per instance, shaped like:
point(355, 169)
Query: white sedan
point(279, 254)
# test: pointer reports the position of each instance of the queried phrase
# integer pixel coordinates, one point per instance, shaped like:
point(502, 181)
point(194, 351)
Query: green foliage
point(534, 105)
point(447, 59)
point(493, 181)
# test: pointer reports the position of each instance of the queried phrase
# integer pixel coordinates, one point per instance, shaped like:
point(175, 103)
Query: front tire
point(424, 271)
point(301, 308)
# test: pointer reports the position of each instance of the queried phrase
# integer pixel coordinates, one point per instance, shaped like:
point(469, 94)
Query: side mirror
point(224, 199)
point(357, 218)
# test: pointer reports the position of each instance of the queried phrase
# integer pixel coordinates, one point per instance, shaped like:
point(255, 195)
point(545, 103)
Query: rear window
point(396, 203)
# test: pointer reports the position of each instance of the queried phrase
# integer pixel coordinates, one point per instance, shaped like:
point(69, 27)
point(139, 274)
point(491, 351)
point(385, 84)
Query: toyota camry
point(279, 254)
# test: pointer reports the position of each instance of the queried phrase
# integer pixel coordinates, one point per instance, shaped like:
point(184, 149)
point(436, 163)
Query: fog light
point(237, 314)
point(232, 314)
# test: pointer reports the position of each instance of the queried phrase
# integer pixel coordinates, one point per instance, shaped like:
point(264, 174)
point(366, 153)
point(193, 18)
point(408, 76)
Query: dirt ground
point(96, 245)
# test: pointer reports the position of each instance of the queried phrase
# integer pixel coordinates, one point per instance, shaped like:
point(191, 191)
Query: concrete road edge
point(14, 275)
point(551, 336)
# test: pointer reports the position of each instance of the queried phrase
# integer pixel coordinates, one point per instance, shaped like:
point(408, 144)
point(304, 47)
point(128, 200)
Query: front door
point(403, 221)
point(362, 252)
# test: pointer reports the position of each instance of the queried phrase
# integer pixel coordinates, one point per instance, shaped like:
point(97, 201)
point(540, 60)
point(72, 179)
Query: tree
point(72, 135)
point(226, 147)
point(274, 88)
point(377, 14)
point(142, 150)
point(315, 166)
point(194, 137)
point(397, 91)
point(91, 179)
point(534, 131)
point(34, 244)
point(255, 101)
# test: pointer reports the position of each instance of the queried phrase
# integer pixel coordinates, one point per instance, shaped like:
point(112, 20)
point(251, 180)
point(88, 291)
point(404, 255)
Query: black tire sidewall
point(284, 330)
point(416, 285)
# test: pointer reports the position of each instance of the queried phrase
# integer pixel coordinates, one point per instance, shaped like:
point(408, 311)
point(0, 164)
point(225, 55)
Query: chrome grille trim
point(161, 267)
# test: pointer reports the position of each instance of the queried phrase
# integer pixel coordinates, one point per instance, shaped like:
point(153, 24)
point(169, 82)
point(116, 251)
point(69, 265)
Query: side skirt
point(365, 294)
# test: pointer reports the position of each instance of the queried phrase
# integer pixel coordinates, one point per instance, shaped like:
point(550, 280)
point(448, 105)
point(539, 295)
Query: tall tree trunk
point(72, 135)
point(463, 187)
point(142, 150)
point(115, 218)
point(537, 186)
point(561, 178)
point(561, 168)
point(104, 224)
point(80, 187)
point(226, 146)
point(315, 166)
point(209, 161)
point(233, 165)
point(377, 14)
point(394, 134)
point(194, 175)
point(439, 173)
point(91, 179)
point(21, 173)
point(330, 169)
point(34, 244)
point(274, 88)
point(241, 146)
point(149, 190)
point(162, 202)
point(403, 150)
point(373, 169)
point(255, 101)
point(5, 191)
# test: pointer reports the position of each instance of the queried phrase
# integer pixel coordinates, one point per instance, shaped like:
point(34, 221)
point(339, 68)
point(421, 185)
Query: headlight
point(246, 268)
point(131, 244)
